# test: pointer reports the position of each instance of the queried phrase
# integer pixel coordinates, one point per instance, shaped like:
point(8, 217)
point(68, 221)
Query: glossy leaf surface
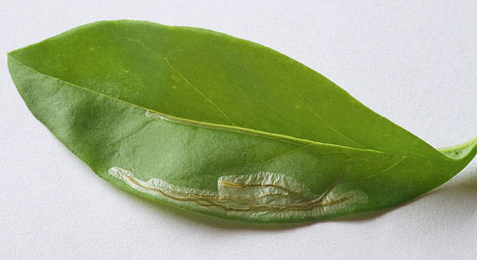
point(220, 125)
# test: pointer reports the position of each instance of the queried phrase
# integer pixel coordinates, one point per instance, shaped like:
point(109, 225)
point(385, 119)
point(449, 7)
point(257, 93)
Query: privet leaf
point(221, 126)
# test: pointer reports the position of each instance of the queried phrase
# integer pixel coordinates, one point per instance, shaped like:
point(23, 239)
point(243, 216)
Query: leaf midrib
point(238, 129)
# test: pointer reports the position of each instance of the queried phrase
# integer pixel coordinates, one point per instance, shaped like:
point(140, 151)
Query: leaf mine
point(261, 195)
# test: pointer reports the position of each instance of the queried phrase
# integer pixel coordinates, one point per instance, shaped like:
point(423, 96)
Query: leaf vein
point(325, 123)
point(387, 169)
point(198, 91)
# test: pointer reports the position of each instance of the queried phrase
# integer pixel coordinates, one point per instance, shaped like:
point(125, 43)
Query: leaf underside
point(221, 126)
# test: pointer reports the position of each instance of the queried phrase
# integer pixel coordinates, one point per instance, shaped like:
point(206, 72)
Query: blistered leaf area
point(260, 196)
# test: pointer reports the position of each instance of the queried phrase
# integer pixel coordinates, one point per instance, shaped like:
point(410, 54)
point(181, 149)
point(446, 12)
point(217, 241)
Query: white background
point(414, 62)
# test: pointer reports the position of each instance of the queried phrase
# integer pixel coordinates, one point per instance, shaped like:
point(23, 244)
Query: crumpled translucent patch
point(260, 195)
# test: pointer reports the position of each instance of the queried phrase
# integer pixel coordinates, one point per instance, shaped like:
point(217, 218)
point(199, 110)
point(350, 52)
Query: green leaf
point(221, 126)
